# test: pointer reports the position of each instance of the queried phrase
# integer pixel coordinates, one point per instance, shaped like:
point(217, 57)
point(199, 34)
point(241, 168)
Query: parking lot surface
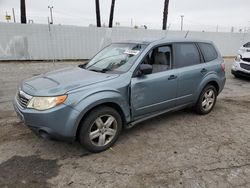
point(180, 149)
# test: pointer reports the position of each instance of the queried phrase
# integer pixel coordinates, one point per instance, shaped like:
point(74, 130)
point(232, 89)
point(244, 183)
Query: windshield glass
point(116, 57)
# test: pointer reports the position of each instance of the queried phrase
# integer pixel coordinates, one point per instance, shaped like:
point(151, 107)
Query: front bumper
point(57, 123)
point(240, 73)
point(238, 70)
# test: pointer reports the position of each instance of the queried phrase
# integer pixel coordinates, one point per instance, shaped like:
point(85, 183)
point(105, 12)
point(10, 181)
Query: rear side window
point(186, 54)
point(208, 51)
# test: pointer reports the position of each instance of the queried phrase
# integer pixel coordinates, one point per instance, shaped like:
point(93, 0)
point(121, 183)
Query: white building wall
point(39, 42)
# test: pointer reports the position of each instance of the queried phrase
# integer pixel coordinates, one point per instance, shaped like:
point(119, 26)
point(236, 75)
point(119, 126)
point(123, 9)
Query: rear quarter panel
point(215, 73)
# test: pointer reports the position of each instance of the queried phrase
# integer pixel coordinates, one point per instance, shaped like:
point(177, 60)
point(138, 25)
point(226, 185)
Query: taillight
point(223, 66)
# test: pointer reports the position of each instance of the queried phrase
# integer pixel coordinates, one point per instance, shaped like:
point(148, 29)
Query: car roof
point(164, 40)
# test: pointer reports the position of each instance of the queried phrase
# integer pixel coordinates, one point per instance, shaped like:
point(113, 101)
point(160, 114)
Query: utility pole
point(232, 29)
point(23, 12)
point(217, 28)
point(111, 13)
point(182, 16)
point(165, 15)
point(169, 25)
point(51, 15)
point(98, 16)
point(14, 16)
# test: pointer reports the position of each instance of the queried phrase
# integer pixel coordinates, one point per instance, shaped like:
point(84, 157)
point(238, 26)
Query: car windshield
point(115, 58)
point(247, 45)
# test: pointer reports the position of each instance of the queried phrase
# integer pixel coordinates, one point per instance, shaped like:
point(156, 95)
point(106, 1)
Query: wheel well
point(215, 84)
point(109, 104)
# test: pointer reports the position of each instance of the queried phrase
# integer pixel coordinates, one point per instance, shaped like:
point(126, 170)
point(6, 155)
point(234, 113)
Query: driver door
point(154, 92)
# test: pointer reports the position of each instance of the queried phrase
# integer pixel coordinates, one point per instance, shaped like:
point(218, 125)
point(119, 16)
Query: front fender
point(99, 98)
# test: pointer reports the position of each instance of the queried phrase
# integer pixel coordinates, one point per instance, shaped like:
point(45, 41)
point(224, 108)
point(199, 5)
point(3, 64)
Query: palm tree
point(165, 15)
point(23, 12)
point(111, 13)
point(98, 17)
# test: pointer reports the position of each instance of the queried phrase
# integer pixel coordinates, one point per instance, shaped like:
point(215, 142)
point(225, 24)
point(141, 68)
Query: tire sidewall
point(87, 124)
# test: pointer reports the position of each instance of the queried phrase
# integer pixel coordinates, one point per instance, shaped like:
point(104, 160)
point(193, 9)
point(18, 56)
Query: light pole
point(51, 15)
point(182, 16)
point(14, 16)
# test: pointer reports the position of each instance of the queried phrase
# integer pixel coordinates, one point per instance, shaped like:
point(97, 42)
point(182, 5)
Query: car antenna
point(51, 41)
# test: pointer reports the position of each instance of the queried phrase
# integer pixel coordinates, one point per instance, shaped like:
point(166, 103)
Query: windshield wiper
point(82, 66)
point(101, 70)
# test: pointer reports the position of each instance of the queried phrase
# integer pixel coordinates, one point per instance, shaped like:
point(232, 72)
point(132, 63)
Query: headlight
point(45, 103)
point(238, 58)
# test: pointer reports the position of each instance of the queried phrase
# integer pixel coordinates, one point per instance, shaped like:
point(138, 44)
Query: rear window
point(208, 51)
point(186, 54)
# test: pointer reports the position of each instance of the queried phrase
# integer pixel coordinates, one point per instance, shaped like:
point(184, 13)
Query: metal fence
point(43, 42)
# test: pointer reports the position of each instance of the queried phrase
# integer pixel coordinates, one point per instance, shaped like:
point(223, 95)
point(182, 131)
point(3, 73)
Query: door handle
point(203, 71)
point(172, 77)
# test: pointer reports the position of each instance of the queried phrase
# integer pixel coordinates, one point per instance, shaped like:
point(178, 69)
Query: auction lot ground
point(180, 149)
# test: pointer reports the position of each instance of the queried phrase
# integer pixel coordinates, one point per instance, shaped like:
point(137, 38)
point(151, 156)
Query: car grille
point(246, 59)
point(245, 66)
point(23, 99)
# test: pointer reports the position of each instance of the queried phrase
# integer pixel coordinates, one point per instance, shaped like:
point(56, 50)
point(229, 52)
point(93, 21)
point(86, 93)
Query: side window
point(208, 51)
point(159, 58)
point(167, 51)
point(186, 54)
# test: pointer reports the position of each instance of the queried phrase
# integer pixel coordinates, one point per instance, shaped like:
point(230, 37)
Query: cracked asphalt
point(180, 149)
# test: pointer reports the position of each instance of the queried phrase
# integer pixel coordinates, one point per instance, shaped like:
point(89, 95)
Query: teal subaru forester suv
point(124, 84)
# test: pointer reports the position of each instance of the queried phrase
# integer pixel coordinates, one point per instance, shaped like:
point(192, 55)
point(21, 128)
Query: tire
point(100, 129)
point(236, 76)
point(207, 100)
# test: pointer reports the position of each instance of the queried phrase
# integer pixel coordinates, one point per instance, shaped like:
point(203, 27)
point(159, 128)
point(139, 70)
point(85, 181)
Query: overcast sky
point(199, 14)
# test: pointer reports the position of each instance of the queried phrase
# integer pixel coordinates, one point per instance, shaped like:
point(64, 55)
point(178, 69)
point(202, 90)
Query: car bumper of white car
point(241, 68)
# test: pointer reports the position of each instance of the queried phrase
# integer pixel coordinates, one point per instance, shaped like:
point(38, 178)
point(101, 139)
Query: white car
point(241, 65)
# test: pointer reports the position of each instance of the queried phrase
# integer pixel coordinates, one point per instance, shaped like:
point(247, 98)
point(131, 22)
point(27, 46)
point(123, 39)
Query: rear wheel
point(206, 100)
point(100, 129)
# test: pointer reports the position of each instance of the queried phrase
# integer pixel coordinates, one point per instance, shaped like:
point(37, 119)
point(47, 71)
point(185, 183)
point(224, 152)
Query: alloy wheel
point(208, 100)
point(103, 130)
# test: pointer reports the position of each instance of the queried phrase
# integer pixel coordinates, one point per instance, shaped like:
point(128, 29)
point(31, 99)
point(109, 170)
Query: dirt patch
point(30, 171)
point(6, 114)
point(13, 129)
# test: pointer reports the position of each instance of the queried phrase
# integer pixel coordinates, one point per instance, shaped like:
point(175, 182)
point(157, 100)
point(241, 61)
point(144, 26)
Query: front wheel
point(206, 100)
point(100, 129)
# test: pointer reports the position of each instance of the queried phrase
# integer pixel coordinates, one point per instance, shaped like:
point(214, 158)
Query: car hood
point(63, 80)
point(244, 52)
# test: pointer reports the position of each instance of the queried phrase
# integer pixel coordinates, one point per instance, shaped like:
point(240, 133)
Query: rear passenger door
point(191, 70)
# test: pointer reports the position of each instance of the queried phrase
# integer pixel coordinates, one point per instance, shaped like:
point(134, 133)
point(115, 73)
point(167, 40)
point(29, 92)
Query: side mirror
point(145, 69)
